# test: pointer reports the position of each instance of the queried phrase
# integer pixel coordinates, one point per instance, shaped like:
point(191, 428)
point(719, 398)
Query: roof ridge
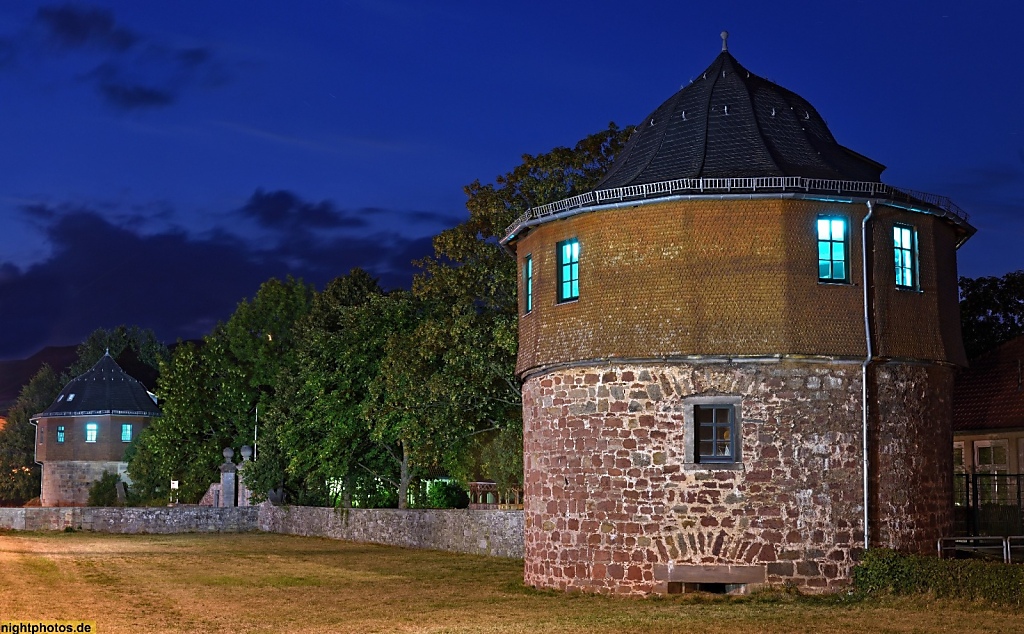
point(769, 150)
point(707, 110)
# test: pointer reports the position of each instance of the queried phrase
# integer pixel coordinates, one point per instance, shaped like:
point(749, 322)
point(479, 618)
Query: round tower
point(87, 429)
point(705, 338)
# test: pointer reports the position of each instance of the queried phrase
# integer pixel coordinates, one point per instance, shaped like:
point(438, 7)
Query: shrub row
point(884, 570)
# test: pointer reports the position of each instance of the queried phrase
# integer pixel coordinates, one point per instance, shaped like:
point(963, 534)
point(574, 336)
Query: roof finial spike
point(108, 351)
point(725, 40)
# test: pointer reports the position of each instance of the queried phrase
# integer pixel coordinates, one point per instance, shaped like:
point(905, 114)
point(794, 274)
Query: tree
point(315, 432)
point(210, 393)
point(142, 341)
point(460, 360)
point(991, 311)
point(19, 474)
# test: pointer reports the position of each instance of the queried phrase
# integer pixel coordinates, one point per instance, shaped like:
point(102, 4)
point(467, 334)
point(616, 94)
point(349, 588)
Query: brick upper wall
point(108, 445)
point(733, 277)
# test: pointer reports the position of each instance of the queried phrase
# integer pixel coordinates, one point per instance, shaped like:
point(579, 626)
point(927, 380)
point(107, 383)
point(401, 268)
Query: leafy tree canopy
point(19, 475)
point(991, 311)
point(142, 341)
point(210, 393)
point(313, 432)
point(459, 362)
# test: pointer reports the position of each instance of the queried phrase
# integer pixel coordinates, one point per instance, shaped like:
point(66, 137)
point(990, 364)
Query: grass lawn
point(276, 583)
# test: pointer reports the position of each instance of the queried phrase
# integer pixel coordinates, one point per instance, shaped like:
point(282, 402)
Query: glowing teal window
point(60, 433)
point(833, 257)
point(527, 284)
point(904, 241)
point(568, 270)
point(716, 437)
point(92, 430)
point(126, 432)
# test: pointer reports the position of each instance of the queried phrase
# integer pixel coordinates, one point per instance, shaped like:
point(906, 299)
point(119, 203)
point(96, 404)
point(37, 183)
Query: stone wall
point(492, 532)
point(616, 503)
point(67, 482)
point(495, 533)
point(912, 457)
point(177, 519)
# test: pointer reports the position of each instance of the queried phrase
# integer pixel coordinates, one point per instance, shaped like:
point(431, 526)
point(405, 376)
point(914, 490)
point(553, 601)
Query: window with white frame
point(833, 249)
point(527, 284)
point(904, 241)
point(92, 431)
point(991, 466)
point(126, 432)
point(568, 270)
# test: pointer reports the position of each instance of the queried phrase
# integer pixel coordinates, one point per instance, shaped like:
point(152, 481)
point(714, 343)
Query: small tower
point(704, 339)
point(86, 431)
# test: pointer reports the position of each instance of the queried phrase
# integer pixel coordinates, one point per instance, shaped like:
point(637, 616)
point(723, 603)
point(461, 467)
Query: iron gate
point(988, 504)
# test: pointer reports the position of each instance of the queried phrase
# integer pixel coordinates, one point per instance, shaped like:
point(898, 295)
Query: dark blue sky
point(160, 160)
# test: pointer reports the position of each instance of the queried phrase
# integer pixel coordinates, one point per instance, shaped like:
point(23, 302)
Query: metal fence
point(988, 504)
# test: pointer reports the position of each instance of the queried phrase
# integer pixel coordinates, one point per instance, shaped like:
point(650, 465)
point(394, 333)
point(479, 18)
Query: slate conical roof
point(103, 389)
point(731, 123)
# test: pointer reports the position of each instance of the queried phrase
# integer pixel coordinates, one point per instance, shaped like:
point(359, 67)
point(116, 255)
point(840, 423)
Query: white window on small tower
point(92, 430)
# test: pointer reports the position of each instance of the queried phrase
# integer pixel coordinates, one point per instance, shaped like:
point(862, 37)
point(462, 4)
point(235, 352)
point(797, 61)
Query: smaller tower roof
point(103, 389)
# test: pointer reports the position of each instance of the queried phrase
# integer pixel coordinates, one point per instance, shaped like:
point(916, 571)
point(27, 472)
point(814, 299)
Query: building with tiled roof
point(87, 429)
point(737, 354)
point(988, 412)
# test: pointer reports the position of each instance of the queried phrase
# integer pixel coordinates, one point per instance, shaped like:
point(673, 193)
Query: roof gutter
point(867, 362)
point(35, 442)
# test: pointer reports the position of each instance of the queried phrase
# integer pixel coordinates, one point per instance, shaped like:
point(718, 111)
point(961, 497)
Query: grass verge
point(277, 583)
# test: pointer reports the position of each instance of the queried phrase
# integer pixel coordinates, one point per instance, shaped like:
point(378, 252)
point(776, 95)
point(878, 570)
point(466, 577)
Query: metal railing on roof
point(760, 184)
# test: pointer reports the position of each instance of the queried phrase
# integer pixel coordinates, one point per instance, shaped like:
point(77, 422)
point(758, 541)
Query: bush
point(884, 570)
point(103, 492)
point(446, 494)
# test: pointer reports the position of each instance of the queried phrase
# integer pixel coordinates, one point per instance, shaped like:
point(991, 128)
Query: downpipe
point(867, 362)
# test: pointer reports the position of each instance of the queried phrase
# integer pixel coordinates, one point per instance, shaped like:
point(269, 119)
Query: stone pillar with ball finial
point(243, 491)
point(227, 478)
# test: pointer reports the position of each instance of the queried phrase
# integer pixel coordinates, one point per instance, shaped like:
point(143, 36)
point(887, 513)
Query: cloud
point(71, 26)
point(127, 69)
point(283, 209)
point(102, 273)
point(128, 97)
